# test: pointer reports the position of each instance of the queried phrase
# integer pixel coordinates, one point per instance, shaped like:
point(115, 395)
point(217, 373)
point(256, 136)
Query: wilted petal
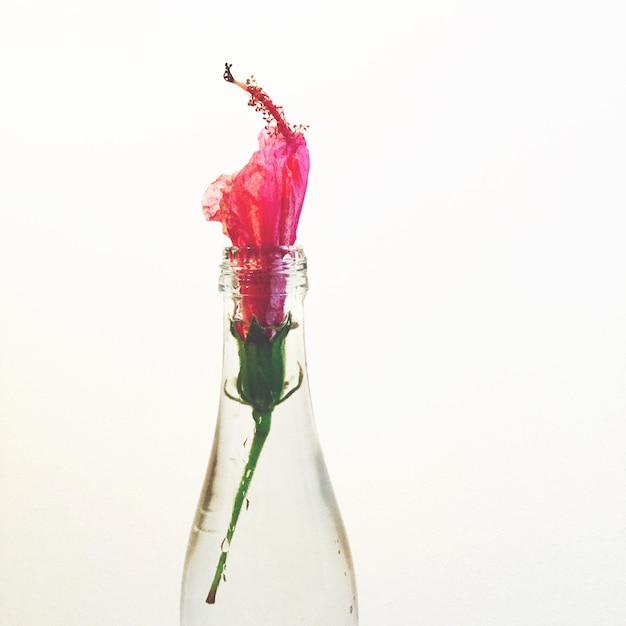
point(212, 197)
point(261, 204)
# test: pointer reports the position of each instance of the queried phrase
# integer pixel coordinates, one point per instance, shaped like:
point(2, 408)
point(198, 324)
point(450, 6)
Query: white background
point(466, 321)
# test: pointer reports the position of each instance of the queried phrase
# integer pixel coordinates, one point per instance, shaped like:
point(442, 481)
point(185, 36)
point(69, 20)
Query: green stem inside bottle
point(262, 429)
point(260, 385)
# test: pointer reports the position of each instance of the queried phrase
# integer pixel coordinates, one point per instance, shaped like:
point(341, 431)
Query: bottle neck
point(268, 284)
point(264, 354)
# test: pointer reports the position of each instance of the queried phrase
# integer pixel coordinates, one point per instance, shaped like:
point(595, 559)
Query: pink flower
point(260, 205)
point(259, 208)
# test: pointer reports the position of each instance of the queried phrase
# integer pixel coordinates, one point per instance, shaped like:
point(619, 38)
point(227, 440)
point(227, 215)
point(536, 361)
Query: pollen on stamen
point(264, 105)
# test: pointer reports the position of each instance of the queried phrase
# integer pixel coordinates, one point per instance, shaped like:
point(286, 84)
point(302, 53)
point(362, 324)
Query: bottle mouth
point(279, 258)
point(281, 268)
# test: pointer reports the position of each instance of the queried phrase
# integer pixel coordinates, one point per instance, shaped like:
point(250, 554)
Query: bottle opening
point(280, 269)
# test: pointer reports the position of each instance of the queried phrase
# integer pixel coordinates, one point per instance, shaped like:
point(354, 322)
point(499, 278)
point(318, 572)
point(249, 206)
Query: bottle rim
point(252, 269)
point(263, 258)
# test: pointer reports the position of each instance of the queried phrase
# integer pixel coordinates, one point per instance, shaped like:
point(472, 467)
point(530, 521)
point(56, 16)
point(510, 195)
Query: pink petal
point(261, 204)
point(213, 196)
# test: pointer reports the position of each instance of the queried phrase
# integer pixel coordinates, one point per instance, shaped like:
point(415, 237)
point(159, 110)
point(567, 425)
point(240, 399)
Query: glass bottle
point(267, 546)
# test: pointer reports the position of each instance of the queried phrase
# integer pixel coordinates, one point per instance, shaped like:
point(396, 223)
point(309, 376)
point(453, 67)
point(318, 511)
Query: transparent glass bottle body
point(288, 561)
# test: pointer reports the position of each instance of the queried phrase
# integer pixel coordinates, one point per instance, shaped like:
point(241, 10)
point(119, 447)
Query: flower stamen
point(262, 103)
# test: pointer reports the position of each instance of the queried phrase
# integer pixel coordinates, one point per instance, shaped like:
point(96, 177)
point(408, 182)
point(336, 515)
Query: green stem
point(263, 422)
